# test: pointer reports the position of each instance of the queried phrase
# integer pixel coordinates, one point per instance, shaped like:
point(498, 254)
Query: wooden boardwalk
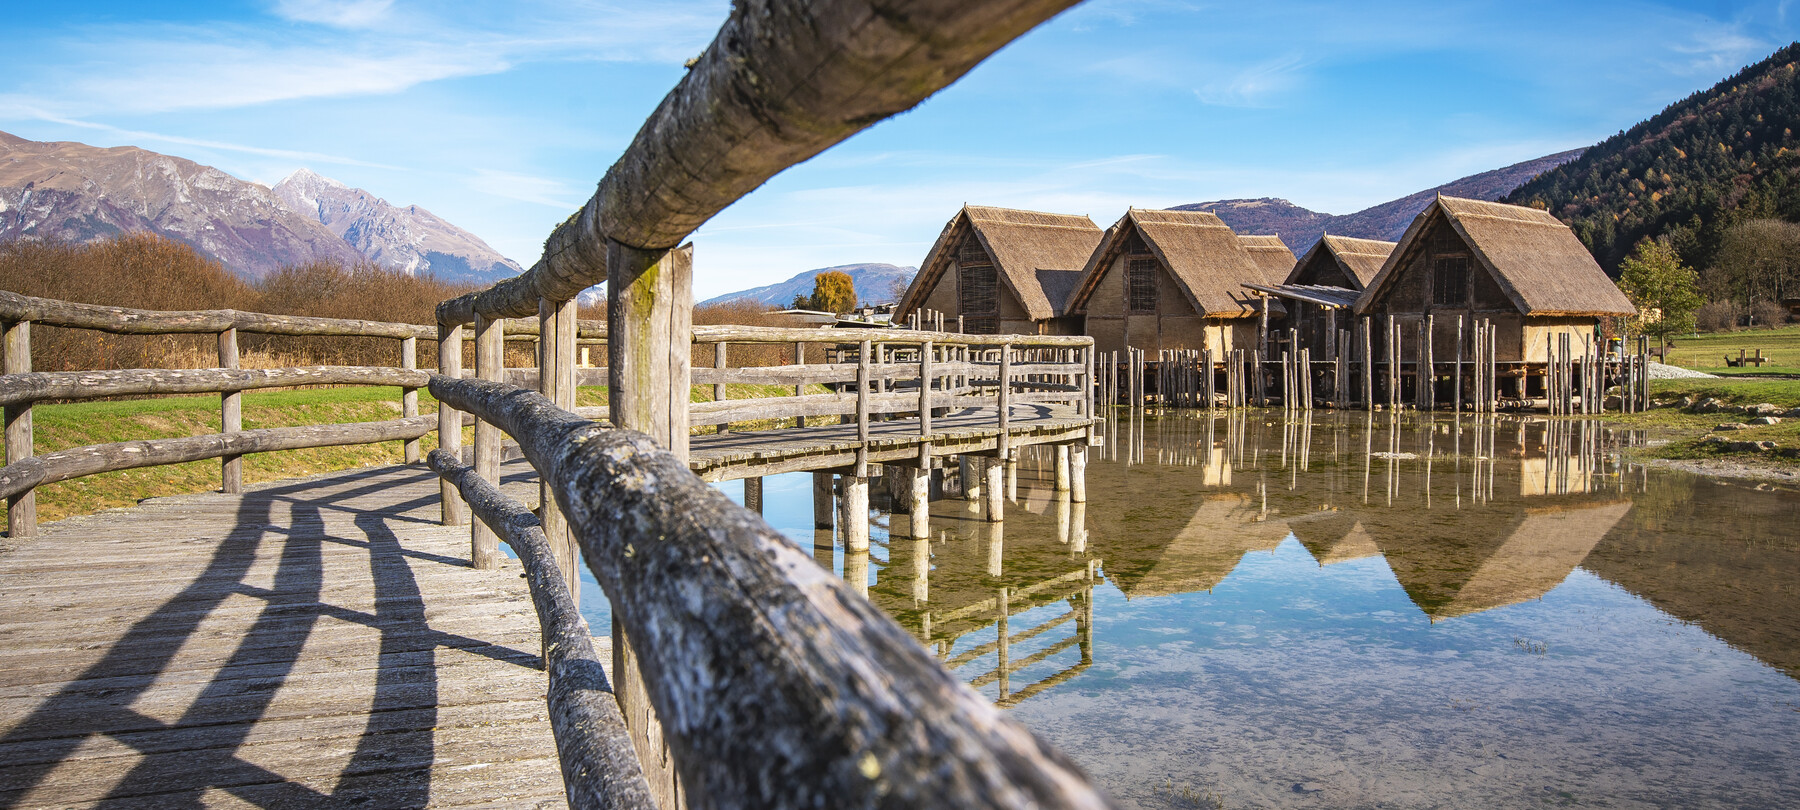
point(733, 455)
point(319, 642)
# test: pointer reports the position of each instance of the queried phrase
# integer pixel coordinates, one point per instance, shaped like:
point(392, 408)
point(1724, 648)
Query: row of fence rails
point(783, 670)
point(20, 388)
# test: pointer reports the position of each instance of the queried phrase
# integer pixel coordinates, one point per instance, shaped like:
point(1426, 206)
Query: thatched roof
point(1359, 259)
point(1039, 256)
point(1209, 262)
point(1534, 258)
point(1269, 253)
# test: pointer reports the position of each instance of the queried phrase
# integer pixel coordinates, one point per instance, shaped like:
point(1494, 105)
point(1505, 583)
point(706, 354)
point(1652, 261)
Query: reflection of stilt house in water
point(1334, 537)
point(1003, 271)
point(1478, 560)
point(1323, 286)
point(1518, 268)
point(1225, 527)
point(1172, 280)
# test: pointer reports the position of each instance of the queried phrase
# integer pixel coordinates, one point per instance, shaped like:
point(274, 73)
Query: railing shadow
point(180, 761)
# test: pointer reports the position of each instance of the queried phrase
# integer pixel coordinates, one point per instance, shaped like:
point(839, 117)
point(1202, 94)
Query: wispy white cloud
point(339, 13)
point(138, 135)
point(358, 48)
point(1257, 85)
point(526, 188)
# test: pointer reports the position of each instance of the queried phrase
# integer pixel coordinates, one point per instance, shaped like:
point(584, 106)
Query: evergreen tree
point(1665, 291)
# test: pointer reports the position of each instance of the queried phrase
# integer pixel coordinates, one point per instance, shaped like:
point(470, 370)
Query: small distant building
point(1518, 267)
point(1323, 286)
point(1173, 280)
point(1003, 271)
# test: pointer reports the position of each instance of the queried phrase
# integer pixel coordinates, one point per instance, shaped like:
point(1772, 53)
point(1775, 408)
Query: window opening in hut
point(1450, 282)
point(980, 288)
point(1140, 278)
point(1136, 245)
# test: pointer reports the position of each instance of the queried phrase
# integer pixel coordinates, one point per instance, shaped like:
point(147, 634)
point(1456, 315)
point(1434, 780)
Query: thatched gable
point(1535, 259)
point(1269, 253)
point(1038, 255)
point(1357, 261)
point(1207, 260)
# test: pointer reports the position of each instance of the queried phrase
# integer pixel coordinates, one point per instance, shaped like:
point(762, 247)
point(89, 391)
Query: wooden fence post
point(720, 362)
point(925, 389)
point(650, 307)
point(231, 416)
point(799, 388)
point(409, 397)
point(1003, 402)
point(21, 509)
point(862, 415)
point(552, 357)
point(450, 348)
point(490, 364)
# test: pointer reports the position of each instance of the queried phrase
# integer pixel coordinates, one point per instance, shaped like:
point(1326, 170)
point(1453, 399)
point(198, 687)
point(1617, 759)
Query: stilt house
point(1003, 271)
point(1270, 253)
point(1517, 267)
point(1323, 286)
point(1172, 280)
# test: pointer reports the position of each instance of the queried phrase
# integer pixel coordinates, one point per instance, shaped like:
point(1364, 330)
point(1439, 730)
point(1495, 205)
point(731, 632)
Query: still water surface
point(1349, 610)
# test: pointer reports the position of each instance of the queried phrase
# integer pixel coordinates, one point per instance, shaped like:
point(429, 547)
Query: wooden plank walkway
point(319, 642)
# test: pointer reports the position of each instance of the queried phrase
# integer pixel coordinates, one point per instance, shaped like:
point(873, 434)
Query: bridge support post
point(821, 488)
point(650, 314)
point(1078, 472)
point(450, 346)
point(21, 509)
point(1062, 468)
point(918, 501)
point(996, 492)
point(855, 514)
point(1012, 478)
point(753, 494)
point(231, 416)
point(490, 364)
point(968, 471)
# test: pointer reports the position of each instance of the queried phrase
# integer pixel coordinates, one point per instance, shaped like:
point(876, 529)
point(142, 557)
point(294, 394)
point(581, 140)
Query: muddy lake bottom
point(1355, 610)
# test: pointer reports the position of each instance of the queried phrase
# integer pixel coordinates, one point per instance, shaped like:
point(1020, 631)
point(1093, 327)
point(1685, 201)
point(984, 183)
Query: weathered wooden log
point(776, 684)
point(42, 385)
point(600, 768)
point(782, 81)
point(124, 321)
point(76, 462)
point(21, 507)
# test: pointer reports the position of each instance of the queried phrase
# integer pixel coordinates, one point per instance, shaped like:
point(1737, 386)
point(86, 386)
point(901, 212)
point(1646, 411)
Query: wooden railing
point(776, 684)
point(20, 388)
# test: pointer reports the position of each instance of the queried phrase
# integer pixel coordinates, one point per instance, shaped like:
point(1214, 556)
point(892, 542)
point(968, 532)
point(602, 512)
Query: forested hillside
point(1717, 159)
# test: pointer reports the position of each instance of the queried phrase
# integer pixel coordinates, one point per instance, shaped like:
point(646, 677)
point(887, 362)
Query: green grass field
point(1686, 430)
point(59, 427)
point(1708, 350)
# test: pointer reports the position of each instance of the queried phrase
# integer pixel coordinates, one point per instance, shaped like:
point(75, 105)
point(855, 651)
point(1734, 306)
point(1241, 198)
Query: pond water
point(1359, 610)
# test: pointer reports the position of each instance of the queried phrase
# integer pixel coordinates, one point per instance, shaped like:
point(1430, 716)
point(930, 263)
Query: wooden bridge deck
point(733, 455)
point(320, 642)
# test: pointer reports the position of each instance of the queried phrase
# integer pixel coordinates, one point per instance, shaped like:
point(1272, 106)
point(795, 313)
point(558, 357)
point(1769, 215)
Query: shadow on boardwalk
point(315, 643)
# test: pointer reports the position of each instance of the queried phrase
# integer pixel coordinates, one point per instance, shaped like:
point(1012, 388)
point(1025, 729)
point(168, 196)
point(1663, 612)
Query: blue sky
point(501, 117)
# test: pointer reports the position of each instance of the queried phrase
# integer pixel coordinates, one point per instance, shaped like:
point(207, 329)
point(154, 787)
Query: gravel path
point(1659, 371)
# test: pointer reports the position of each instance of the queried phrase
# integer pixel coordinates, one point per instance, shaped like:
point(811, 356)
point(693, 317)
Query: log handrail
point(600, 767)
point(778, 686)
point(26, 474)
point(781, 82)
point(42, 385)
point(126, 321)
